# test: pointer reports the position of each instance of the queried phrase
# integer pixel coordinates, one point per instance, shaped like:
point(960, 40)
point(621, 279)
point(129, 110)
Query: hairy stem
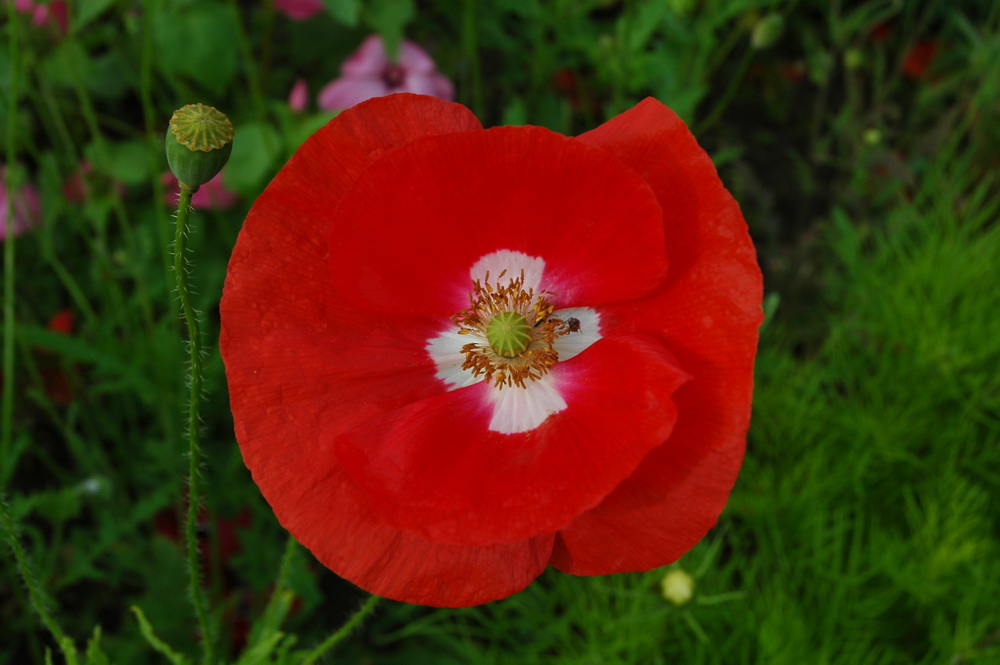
point(35, 593)
point(193, 423)
point(7, 407)
point(342, 632)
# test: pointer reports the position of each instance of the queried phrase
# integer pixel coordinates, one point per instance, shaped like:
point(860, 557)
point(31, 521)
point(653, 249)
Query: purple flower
point(299, 10)
point(370, 73)
point(213, 195)
point(25, 206)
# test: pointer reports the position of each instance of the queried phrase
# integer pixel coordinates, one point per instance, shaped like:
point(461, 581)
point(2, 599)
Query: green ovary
point(508, 333)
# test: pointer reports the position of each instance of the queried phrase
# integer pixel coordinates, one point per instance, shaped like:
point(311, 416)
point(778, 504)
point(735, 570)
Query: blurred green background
point(862, 140)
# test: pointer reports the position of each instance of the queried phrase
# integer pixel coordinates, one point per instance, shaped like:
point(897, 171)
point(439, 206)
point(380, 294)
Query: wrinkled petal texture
point(415, 221)
point(707, 314)
point(435, 467)
point(302, 371)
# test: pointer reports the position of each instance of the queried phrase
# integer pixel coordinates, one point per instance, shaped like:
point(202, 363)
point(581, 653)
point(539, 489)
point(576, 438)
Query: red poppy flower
point(457, 355)
point(919, 58)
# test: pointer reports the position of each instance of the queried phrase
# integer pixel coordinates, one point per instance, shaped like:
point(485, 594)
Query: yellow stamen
point(513, 330)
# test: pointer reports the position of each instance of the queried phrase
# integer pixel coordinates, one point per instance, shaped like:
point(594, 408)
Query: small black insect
point(573, 324)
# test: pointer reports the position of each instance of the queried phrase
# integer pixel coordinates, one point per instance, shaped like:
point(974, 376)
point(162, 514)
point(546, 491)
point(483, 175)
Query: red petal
point(416, 221)
point(346, 537)
point(707, 314)
point(434, 467)
point(300, 363)
point(655, 516)
point(282, 323)
point(278, 308)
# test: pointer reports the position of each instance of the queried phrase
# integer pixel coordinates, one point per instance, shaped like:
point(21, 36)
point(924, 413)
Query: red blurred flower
point(57, 383)
point(919, 58)
point(370, 73)
point(881, 33)
point(299, 10)
point(418, 449)
point(793, 72)
point(567, 83)
point(62, 322)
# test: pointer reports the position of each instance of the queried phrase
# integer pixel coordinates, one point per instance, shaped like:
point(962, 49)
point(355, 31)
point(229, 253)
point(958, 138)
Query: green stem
point(472, 56)
point(7, 415)
point(35, 593)
point(193, 422)
point(727, 96)
point(279, 603)
point(343, 631)
point(155, 139)
point(249, 62)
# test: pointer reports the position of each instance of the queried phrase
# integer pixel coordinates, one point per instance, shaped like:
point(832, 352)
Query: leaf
point(515, 113)
point(88, 11)
point(389, 18)
point(111, 75)
point(125, 161)
point(74, 349)
point(345, 11)
point(96, 655)
point(647, 19)
point(68, 63)
point(159, 645)
point(260, 653)
point(265, 634)
point(200, 43)
point(255, 149)
point(56, 506)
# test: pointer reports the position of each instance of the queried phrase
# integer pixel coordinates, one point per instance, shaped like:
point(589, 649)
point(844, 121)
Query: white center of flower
point(511, 336)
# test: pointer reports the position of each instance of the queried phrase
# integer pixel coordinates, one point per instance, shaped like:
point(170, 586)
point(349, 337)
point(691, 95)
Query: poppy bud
point(677, 586)
point(767, 31)
point(854, 58)
point(199, 141)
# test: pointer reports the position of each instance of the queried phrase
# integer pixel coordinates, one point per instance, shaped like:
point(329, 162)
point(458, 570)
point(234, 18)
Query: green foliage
point(345, 11)
point(199, 39)
point(863, 527)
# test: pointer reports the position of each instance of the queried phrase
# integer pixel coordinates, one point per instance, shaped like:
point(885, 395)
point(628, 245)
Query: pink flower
point(370, 73)
point(81, 184)
point(298, 98)
point(213, 195)
point(25, 206)
point(55, 13)
point(299, 10)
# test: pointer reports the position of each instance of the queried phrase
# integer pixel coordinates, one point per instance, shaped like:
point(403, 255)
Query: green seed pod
point(199, 141)
point(508, 333)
